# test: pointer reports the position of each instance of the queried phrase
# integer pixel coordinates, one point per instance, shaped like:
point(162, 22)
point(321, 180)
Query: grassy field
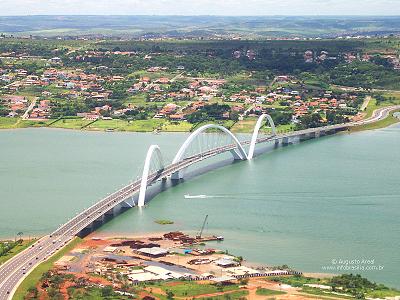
point(319, 292)
point(93, 294)
point(137, 100)
point(12, 123)
point(267, 292)
point(247, 126)
point(70, 123)
point(182, 126)
point(33, 278)
point(381, 294)
point(17, 249)
point(190, 289)
point(30, 123)
point(225, 123)
point(373, 105)
point(296, 281)
point(7, 123)
point(237, 295)
point(164, 222)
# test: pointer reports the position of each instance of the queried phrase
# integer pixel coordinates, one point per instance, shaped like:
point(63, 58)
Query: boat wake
point(200, 196)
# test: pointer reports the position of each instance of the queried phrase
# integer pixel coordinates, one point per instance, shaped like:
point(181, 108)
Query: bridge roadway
point(16, 269)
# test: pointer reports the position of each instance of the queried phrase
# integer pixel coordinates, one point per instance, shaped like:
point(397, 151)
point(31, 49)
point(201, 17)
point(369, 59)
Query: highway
point(25, 116)
point(16, 269)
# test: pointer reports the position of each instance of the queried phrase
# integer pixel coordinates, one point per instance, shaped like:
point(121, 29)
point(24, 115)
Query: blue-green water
point(304, 205)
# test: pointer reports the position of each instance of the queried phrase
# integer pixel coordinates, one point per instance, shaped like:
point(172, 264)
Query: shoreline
point(371, 126)
point(252, 264)
point(164, 131)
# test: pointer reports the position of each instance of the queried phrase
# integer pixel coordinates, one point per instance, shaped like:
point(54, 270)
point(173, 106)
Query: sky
point(199, 7)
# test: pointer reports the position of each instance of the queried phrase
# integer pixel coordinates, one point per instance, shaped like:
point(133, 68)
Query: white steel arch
point(146, 170)
point(241, 152)
point(256, 131)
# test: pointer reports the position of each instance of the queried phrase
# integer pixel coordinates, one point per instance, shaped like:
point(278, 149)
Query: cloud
point(200, 7)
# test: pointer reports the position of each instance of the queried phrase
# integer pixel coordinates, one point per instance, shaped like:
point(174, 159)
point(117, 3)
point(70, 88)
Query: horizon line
point(200, 15)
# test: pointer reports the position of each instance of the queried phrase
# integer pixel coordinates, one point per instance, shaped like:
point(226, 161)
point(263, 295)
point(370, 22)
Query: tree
point(4, 111)
point(234, 115)
point(170, 295)
point(310, 121)
point(107, 291)
point(33, 291)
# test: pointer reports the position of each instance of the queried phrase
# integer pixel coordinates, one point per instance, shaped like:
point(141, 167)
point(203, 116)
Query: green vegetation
point(204, 26)
point(208, 113)
point(34, 277)
point(380, 100)
point(95, 293)
point(325, 293)
point(7, 123)
point(190, 289)
point(365, 74)
point(361, 287)
point(352, 285)
point(377, 125)
point(8, 249)
point(267, 292)
point(233, 80)
point(237, 295)
point(296, 280)
point(164, 222)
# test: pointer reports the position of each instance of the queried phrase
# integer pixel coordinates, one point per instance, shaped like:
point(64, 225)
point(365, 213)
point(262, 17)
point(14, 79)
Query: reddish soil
point(93, 279)
point(89, 243)
point(64, 289)
point(174, 283)
point(143, 294)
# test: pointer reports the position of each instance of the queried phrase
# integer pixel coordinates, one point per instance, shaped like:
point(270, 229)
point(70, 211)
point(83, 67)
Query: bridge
point(190, 153)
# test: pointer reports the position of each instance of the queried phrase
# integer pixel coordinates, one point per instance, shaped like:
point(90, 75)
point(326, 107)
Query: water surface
point(305, 205)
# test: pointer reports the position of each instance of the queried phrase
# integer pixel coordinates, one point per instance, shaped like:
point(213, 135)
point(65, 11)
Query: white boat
point(195, 196)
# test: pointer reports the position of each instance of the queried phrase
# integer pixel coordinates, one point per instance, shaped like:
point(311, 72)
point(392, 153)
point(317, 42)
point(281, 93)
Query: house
point(169, 109)
point(55, 60)
point(145, 79)
point(117, 78)
point(162, 80)
point(176, 117)
point(226, 263)
point(153, 252)
point(224, 279)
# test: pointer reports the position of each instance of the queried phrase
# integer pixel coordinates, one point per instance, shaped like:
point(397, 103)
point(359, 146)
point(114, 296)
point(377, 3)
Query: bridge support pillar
point(109, 213)
point(314, 134)
point(285, 141)
point(237, 156)
point(178, 175)
point(129, 203)
point(303, 137)
point(329, 132)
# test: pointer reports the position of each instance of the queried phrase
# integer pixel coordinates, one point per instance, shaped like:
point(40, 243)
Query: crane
point(202, 228)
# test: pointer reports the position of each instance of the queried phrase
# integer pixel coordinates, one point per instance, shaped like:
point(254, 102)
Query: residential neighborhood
point(162, 95)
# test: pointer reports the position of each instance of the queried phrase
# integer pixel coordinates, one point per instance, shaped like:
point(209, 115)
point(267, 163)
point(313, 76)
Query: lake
point(325, 205)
